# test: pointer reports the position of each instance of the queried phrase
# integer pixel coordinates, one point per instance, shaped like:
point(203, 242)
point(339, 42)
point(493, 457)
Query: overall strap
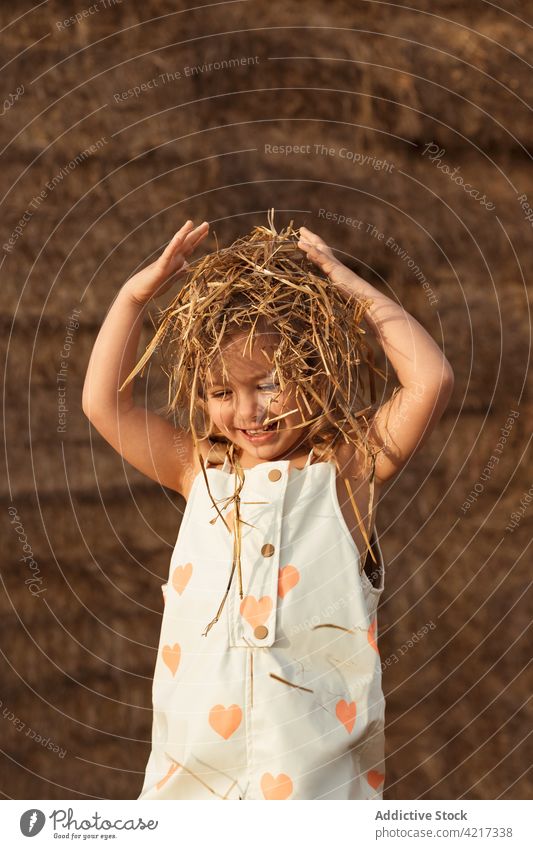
point(308, 461)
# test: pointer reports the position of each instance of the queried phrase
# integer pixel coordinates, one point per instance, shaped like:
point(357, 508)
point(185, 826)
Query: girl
point(267, 682)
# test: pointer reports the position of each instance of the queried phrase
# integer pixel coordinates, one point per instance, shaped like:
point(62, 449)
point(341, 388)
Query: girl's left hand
point(322, 255)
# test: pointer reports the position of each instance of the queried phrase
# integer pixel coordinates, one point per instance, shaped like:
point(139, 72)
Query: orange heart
point(288, 578)
point(181, 577)
point(171, 771)
point(256, 612)
point(375, 778)
point(346, 712)
point(172, 656)
point(225, 720)
point(276, 788)
point(371, 635)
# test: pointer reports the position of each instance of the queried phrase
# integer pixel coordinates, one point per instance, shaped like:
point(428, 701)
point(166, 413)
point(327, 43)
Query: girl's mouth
point(262, 434)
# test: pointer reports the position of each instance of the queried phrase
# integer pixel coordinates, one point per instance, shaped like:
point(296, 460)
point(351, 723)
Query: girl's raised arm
point(402, 424)
point(146, 440)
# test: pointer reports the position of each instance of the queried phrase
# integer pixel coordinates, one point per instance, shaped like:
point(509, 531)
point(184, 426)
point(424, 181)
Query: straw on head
point(264, 283)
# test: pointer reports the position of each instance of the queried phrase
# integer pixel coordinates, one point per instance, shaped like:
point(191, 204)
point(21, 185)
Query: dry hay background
point(384, 82)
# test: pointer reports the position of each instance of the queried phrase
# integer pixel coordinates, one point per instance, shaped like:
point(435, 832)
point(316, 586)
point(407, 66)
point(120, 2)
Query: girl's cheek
point(214, 412)
point(224, 413)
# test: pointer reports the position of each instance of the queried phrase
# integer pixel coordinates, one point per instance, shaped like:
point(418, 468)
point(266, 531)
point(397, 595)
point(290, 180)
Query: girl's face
point(238, 403)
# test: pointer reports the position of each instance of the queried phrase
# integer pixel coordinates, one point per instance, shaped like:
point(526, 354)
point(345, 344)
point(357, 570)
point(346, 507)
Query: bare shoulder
point(351, 461)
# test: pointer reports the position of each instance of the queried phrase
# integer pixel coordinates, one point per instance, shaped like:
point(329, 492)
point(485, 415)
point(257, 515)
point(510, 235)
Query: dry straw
point(262, 283)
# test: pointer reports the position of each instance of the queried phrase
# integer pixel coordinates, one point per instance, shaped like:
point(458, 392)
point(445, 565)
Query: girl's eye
point(265, 387)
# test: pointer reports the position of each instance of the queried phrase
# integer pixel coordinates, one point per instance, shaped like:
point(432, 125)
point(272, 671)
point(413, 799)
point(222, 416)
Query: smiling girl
point(267, 682)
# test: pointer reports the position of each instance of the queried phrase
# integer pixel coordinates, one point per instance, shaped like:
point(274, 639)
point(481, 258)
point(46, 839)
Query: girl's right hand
point(154, 280)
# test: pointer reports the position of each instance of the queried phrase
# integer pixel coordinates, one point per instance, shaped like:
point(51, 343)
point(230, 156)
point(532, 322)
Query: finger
point(177, 238)
point(183, 249)
point(319, 258)
point(202, 226)
point(193, 240)
point(179, 241)
point(313, 239)
point(185, 228)
point(198, 233)
point(319, 255)
point(308, 247)
point(307, 243)
point(185, 231)
point(309, 236)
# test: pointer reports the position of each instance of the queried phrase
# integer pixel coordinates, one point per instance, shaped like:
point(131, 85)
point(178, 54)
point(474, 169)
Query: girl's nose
point(249, 410)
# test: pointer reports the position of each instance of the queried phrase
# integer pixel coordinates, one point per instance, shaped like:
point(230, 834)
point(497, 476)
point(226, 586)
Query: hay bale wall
point(343, 81)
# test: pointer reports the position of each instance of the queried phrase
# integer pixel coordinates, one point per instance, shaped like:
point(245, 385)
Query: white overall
point(282, 698)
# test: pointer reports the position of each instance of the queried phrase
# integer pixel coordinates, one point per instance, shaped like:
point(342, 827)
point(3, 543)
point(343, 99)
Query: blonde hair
point(263, 280)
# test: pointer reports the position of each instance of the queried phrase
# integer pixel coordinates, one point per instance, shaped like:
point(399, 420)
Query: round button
point(260, 632)
point(267, 550)
point(274, 475)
